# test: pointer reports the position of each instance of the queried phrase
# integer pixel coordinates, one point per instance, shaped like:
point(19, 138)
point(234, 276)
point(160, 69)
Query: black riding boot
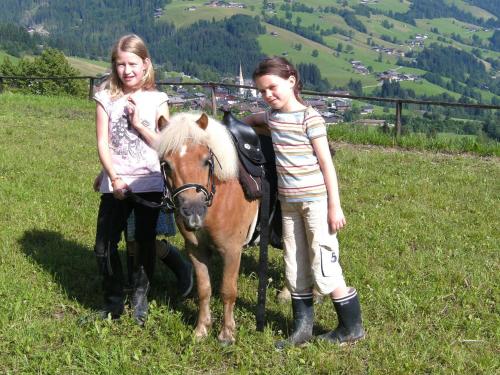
point(303, 320)
point(350, 326)
point(182, 269)
point(140, 296)
point(112, 285)
point(131, 250)
point(142, 276)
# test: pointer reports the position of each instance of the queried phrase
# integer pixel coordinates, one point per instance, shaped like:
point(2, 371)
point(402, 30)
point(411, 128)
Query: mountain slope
point(379, 35)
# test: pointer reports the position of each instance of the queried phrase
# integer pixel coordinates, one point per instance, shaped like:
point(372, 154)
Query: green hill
point(355, 45)
point(323, 32)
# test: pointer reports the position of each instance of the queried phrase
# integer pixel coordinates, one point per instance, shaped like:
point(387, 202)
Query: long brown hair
point(281, 67)
point(133, 44)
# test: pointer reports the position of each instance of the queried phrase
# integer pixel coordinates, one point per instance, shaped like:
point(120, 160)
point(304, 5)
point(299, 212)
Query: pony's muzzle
point(193, 212)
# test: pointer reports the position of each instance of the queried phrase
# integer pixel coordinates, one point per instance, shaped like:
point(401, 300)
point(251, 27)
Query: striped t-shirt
point(299, 175)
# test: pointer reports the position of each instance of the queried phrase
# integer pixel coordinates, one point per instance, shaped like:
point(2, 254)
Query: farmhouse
point(225, 4)
point(176, 101)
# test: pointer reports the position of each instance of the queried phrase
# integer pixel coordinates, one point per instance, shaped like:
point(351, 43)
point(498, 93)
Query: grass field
point(421, 246)
point(89, 67)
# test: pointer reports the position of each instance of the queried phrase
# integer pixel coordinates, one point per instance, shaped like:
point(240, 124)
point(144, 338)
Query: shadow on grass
point(73, 267)
point(248, 267)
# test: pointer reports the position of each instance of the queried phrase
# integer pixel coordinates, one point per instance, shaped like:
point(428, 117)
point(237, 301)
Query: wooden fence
point(398, 102)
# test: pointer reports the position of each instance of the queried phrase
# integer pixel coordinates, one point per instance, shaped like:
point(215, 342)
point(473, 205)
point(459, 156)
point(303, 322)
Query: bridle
point(168, 200)
point(170, 195)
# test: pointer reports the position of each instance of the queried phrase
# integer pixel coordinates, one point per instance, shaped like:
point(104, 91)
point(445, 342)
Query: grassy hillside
point(423, 257)
point(341, 48)
point(336, 67)
point(89, 67)
point(86, 67)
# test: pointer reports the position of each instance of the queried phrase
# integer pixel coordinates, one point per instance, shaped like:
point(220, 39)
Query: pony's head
point(197, 152)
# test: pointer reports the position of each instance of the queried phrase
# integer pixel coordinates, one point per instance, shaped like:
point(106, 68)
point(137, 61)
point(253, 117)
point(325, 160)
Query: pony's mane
point(182, 129)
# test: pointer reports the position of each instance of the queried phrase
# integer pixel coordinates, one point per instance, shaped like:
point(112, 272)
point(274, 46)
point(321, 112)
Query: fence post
point(1, 85)
point(214, 100)
point(399, 109)
point(91, 88)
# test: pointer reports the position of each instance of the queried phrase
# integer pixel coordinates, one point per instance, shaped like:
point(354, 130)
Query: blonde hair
point(133, 44)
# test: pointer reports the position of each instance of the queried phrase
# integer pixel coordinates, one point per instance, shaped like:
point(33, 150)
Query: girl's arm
point(336, 218)
point(258, 122)
point(104, 155)
point(163, 116)
point(98, 180)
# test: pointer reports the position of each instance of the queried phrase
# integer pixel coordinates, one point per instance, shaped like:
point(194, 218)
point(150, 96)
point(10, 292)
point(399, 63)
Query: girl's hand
point(119, 188)
point(336, 219)
point(133, 113)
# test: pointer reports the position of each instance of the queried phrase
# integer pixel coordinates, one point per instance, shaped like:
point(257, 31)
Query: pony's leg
point(200, 263)
point(229, 291)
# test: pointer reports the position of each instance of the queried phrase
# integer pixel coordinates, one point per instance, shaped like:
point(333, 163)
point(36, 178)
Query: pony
point(200, 167)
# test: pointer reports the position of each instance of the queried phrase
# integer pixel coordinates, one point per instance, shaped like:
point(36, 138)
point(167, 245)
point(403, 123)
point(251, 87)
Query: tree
point(315, 53)
point(495, 40)
point(492, 129)
point(8, 68)
point(51, 63)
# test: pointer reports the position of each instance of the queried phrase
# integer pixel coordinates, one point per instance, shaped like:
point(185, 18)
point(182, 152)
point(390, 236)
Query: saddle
point(247, 143)
point(257, 168)
point(257, 165)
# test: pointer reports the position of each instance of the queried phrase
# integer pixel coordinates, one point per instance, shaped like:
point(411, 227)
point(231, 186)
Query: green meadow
point(335, 66)
point(421, 246)
point(88, 67)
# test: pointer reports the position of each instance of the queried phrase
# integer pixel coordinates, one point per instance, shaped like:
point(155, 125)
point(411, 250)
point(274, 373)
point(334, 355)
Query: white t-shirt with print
point(133, 159)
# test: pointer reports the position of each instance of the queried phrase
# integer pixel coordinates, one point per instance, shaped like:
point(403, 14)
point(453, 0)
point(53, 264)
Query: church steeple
point(241, 81)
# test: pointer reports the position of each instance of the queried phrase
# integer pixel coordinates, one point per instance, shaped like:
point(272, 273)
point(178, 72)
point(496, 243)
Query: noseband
point(170, 195)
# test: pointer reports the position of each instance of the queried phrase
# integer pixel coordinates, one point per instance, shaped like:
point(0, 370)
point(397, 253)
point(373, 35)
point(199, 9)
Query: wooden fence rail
point(398, 102)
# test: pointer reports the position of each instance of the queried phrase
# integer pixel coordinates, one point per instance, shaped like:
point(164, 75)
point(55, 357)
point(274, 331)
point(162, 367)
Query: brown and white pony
point(201, 170)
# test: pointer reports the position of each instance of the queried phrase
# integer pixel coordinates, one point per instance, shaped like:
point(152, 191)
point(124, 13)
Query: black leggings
point(111, 222)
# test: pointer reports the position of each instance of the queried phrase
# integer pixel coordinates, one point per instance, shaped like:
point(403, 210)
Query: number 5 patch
point(329, 261)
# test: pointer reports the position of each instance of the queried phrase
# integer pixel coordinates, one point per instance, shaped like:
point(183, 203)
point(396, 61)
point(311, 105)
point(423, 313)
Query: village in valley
point(333, 109)
point(245, 100)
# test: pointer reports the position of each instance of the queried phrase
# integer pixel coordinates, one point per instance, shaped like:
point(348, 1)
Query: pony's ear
point(162, 122)
point(203, 121)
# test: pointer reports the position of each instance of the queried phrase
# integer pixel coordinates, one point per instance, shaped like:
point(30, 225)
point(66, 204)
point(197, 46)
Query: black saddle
point(247, 143)
point(256, 154)
point(261, 170)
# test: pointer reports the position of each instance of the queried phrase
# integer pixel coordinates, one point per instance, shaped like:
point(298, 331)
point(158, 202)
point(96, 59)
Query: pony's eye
point(165, 166)
point(208, 162)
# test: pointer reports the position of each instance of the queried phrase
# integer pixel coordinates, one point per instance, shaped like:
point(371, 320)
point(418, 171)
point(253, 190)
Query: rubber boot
point(140, 296)
point(131, 250)
point(303, 320)
point(112, 286)
point(182, 269)
point(350, 328)
point(143, 273)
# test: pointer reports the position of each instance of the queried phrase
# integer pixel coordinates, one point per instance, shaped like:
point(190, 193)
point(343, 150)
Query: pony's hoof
point(226, 337)
point(200, 333)
point(225, 340)
point(225, 343)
